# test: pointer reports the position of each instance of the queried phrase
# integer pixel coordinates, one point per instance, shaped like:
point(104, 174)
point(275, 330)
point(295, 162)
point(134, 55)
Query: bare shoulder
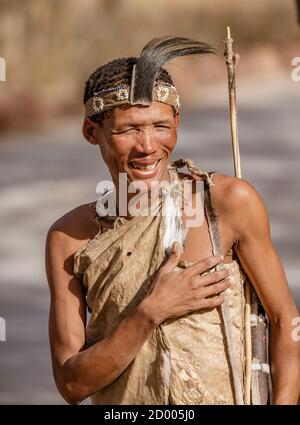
point(76, 223)
point(68, 233)
point(228, 192)
point(231, 194)
point(240, 207)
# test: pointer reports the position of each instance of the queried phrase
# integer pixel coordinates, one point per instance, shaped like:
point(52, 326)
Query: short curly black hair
point(113, 74)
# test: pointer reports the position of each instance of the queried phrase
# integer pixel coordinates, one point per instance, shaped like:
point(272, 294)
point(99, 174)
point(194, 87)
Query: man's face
point(138, 140)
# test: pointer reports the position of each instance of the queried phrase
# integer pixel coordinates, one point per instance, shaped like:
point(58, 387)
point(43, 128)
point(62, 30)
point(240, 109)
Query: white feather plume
point(171, 209)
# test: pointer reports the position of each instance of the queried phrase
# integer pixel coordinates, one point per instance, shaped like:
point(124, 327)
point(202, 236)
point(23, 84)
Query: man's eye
point(162, 126)
point(126, 130)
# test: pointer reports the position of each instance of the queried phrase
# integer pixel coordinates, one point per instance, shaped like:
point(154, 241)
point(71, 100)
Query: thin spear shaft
point(230, 62)
point(231, 59)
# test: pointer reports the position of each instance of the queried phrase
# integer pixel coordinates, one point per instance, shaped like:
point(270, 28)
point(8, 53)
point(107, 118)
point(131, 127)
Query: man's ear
point(90, 131)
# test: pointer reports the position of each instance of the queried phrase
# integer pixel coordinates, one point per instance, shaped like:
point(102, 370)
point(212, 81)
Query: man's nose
point(146, 141)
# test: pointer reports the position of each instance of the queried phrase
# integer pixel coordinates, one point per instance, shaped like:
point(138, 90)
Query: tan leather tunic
point(185, 360)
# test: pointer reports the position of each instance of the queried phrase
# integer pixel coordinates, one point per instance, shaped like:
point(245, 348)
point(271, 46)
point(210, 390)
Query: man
point(155, 334)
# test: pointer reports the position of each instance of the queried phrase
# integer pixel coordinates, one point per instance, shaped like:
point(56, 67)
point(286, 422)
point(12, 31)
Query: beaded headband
point(118, 96)
point(145, 87)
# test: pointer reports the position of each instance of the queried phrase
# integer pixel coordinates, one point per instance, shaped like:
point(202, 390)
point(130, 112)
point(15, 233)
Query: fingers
point(204, 265)
point(176, 250)
point(212, 302)
point(173, 260)
point(208, 289)
point(214, 289)
point(198, 281)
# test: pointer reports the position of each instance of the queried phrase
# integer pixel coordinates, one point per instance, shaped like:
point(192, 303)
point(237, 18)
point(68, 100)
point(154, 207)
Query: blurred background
point(46, 167)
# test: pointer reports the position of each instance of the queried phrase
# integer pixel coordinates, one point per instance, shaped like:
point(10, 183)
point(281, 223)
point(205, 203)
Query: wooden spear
point(231, 60)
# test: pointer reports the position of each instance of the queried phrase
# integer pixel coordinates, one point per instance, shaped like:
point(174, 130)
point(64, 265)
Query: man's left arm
point(250, 225)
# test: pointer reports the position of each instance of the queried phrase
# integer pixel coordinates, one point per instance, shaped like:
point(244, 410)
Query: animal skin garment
point(184, 360)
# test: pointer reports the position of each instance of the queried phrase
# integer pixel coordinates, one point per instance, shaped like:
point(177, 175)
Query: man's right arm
point(80, 372)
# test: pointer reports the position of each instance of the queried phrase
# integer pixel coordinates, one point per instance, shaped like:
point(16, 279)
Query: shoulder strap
point(213, 226)
point(214, 232)
point(212, 218)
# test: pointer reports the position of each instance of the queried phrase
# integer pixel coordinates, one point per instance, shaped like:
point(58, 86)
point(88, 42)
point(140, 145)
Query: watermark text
point(296, 71)
point(2, 69)
point(2, 329)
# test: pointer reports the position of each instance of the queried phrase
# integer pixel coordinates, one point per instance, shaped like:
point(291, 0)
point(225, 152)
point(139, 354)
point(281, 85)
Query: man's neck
point(128, 202)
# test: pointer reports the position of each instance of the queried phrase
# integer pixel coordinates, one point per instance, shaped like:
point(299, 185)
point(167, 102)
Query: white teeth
point(145, 167)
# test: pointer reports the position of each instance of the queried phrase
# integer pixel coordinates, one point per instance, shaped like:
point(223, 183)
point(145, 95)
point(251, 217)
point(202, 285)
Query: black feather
point(153, 56)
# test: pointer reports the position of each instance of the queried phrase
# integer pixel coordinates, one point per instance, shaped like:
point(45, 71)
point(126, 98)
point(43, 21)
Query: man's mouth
point(142, 169)
point(144, 166)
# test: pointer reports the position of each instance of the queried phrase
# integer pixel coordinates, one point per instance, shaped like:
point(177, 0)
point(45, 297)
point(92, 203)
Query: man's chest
point(198, 244)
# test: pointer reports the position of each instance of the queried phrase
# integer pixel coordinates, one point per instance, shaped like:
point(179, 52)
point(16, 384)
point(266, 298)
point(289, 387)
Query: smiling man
point(167, 319)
